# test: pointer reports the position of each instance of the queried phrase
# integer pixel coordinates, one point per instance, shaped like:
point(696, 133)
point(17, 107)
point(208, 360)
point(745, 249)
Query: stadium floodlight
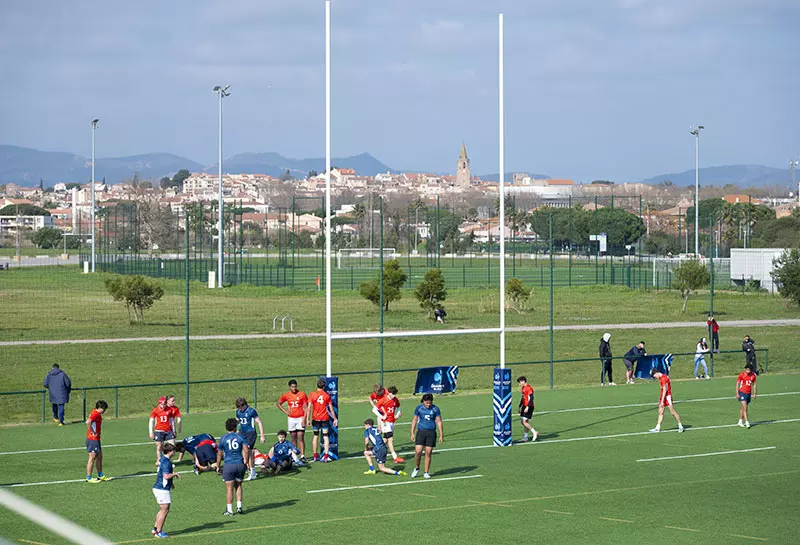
point(95, 121)
point(222, 92)
point(695, 131)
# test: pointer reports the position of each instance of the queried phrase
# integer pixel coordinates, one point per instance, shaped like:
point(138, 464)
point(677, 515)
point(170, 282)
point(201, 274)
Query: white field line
point(466, 418)
point(49, 520)
point(44, 483)
point(704, 454)
point(401, 483)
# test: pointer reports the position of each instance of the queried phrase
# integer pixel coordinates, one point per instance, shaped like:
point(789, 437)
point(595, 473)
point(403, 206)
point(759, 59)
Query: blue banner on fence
point(436, 380)
point(501, 407)
point(332, 387)
point(662, 362)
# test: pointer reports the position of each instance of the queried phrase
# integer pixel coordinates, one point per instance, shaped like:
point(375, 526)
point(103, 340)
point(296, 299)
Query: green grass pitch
point(583, 481)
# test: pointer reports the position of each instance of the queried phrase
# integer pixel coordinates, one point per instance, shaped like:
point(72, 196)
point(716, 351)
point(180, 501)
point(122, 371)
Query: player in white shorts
point(389, 408)
point(297, 412)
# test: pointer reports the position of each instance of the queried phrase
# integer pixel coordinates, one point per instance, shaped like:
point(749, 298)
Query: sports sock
point(371, 467)
point(238, 504)
point(397, 473)
point(89, 477)
point(99, 473)
point(230, 508)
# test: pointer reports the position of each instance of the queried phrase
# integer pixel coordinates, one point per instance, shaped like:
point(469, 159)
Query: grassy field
point(591, 477)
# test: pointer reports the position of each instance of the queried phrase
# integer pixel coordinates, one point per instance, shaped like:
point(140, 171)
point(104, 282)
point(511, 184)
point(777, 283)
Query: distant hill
point(26, 166)
point(741, 175)
point(275, 164)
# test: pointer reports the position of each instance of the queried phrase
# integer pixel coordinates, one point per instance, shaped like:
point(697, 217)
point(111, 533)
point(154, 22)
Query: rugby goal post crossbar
point(365, 253)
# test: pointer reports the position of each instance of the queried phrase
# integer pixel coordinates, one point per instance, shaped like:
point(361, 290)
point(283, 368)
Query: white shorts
point(387, 427)
point(163, 497)
point(296, 424)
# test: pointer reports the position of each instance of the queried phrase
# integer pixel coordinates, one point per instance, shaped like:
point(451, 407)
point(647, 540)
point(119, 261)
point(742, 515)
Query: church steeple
point(463, 174)
point(463, 154)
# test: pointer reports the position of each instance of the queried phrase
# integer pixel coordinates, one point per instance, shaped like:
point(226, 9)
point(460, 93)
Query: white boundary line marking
point(393, 484)
point(49, 520)
point(20, 485)
point(705, 454)
point(462, 419)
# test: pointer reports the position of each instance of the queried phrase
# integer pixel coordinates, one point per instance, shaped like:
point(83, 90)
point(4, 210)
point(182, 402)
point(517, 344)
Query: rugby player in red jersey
point(664, 400)
point(93, 425)
point(319, 418)
point(389, 408)
point(526, 409)
point(297, 413)
point(745, 392)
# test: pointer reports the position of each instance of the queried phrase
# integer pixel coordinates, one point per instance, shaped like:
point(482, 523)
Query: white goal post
point(363, 258)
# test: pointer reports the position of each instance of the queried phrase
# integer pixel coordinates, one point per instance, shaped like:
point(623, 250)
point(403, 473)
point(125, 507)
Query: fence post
point(255, 393)
point(116, 402)
point(43, 405)
point(84, 404)
point(766, 360)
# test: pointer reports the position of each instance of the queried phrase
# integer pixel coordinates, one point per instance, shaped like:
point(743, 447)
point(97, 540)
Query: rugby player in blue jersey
point(233, 451)
point(374, 445)
point(162, 489)
point(282, 455)
point(203, 449)
point(427, 419)
point(248, 418)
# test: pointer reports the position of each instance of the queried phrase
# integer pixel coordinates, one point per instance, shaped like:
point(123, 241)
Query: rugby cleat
point(370, 472)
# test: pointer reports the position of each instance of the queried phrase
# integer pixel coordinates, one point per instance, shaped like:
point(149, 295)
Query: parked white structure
point(754, 264)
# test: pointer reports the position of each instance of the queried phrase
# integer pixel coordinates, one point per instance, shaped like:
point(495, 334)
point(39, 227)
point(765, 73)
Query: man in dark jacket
point(60, 386)
point(631, 357)
point(605, 360)
point(750, 353)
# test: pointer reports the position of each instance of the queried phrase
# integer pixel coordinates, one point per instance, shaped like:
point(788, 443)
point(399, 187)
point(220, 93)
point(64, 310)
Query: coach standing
point(427, 419)
point(605, 360)
point(60, 386)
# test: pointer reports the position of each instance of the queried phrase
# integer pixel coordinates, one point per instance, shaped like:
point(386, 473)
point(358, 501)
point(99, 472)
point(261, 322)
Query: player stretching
point(664, 400)
point(235, 452)
point(429, 418)
point(373, 439)
point(526, 409)
point(320, 419)
point(745, 392)
point(248, 417)
point(94, 423)
point(162, 489)
point(378, 393)
point(389, 408)
point(297, 414)
point(203, 449)
point(282, 455)
point(161, 425)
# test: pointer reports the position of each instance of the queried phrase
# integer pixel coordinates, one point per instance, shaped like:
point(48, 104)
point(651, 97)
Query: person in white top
point(700, 358)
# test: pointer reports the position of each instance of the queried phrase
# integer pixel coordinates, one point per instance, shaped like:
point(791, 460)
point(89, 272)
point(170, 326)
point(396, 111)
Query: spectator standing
point(60, 386)
point(700, 358)
point(605, 360)
point(713, 328)
point(750, 353)
point(631, 357)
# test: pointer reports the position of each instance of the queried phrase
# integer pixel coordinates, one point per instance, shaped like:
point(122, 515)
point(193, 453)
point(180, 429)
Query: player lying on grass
point(282, 455)
point(664, 400)
point(375, 446)
point(203, 449)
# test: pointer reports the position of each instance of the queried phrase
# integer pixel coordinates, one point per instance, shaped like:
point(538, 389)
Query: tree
point(23, 210)
point(691, 275)
point(393, 280)
point(517, 295)
point(661, 243)
point(786, 274)
point(312, 174)
point(47, 238)
point(179, 178)
point(431, 291)
point(165, 182)
point(137, 292)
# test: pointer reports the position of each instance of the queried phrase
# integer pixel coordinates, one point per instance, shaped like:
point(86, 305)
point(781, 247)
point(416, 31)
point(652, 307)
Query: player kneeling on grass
point(375, 446)
point(203, 449)
point(664, 400)
point(162, 489)
point(282, 455)
point(526, 409)
point(235, 451)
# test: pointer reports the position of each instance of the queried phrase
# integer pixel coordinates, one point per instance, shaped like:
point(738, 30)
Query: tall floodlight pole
point(328, 188)
point(501, 115)
point(696, 132)
point(94, 128)
point(792, 168)
point(222, 92)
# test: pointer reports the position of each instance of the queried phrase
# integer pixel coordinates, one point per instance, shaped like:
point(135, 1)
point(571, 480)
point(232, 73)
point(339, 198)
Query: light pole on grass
point(94, 129)
point(696, 132)
point(222, 92)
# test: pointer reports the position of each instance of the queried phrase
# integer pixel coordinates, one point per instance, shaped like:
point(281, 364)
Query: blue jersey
point(283, 451)
point(165, 467)
point(247, 419)
point(375, 439)
point(191, 443)
point(427, 417)
point(232, 444)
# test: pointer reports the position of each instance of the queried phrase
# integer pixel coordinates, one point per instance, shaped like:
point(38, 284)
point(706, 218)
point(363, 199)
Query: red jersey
point(666, 386)
point(296, 402)
point(388, 408)
point(527, 395)
point(745, 382)
point(376, 398)
point(714, 326)
point(95, 422)
point(163, 417)
point(320, 400)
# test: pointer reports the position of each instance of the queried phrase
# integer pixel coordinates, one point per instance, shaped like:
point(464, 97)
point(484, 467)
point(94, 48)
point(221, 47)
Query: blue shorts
point(249, 438)
point(93, 446)
point(205, 455)
point(744, 397)
point(233, 472)
point(380, 454)
point(162, 436)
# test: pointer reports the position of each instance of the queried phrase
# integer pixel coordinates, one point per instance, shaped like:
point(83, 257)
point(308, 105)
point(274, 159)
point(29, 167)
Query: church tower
point(463, 174)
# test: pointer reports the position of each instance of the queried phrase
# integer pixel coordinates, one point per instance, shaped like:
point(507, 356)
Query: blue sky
point(595, 89)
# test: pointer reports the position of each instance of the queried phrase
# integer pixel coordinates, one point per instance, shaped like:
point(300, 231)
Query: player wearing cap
point(664, 400)
point(297, 413)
